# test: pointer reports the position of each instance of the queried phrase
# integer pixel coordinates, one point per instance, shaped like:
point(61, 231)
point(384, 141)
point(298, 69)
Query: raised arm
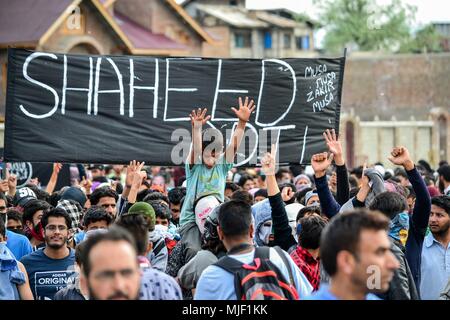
point(198, 119)
point(244, 112)
point(320, 163)
point(282, 231)
point(421, 212)
point(53, 178)
point(335, 147)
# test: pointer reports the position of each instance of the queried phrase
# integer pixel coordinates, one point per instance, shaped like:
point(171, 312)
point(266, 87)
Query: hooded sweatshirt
point(262, 213)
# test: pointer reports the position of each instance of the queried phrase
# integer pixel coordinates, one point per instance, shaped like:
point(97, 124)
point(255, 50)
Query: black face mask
point(18, 231)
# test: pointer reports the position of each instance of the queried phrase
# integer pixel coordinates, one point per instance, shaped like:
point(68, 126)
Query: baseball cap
point(23, 196)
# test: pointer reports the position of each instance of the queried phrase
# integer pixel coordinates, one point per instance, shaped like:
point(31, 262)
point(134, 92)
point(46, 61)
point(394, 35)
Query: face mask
point(161, 228)
point(18, 231)
point(301, 187)
point(264, 233)
point(399, 227)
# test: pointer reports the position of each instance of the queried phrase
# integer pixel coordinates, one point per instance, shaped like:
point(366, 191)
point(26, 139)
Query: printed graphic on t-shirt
point(49, 282)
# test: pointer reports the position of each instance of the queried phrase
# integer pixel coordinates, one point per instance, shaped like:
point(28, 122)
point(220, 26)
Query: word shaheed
point(110, 109)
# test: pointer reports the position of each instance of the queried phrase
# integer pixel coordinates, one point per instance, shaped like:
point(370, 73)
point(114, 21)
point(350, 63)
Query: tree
point(426, 40)
point(364, 25)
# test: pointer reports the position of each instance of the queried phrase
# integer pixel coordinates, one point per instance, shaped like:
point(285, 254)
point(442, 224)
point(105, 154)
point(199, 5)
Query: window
point(302, 42)
point(242, 39)
point(287, 41)
point(267, 40)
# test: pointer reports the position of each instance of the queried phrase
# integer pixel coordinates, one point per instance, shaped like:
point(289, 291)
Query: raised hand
point(365, 186)
point(199, 117)
point(56, 168)
point(138, 175)
point(400, 156)
point(245, 109)
point(334, 145)
point(268, 162)
point(131, 169)
point(320, 163)
point(86, 184)
point(12, 184)
point(4, 186)
point(287, 194)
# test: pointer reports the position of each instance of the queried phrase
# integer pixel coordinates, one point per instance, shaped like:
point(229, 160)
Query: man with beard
point(51, 268)
point(435, 269)
point(356, 253)
point(444, 179)
point(110, 266)
point(31, 218)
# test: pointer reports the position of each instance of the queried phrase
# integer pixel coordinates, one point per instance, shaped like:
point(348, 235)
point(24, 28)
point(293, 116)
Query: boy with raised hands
point(206, 170)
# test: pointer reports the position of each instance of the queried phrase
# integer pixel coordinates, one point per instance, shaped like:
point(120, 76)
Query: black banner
point(113, 109)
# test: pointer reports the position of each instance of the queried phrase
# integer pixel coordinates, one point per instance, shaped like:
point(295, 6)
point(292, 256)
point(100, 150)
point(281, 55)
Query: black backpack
point(262, 279)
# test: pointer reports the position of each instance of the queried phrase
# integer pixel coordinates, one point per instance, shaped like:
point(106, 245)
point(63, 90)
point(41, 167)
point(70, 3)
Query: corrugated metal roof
point(143, 38)
point(276, 20)
point(234, 16)
point(25, 21)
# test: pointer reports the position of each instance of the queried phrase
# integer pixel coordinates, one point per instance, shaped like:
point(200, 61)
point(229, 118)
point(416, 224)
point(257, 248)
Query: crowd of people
point(209, 231)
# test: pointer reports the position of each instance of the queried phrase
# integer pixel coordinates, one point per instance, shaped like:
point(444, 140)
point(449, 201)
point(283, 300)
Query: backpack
point(261, 279)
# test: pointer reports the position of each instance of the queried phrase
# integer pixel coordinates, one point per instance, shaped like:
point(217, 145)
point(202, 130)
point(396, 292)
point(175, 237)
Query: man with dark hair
point(110, 266)
point(14, 223)
point(306, 254)
point(230, 187)
point(354, 245)
point(156, 196)
point(96, 218)
point(444, 179)
point(155, 284)
point(435, 269)
point(236, 232)
point(175, 196)
point(283, 176)
point(31, 218)
point(242, 195)
point(74, 291)
point(260, 195)
point(106, 198)
point(49, 268)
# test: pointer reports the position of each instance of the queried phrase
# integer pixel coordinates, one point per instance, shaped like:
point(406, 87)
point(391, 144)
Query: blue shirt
point(18, 244)
point(200, 180)
point(435, 268)
point(46, 275)
point(217, 284)
point(324, 294)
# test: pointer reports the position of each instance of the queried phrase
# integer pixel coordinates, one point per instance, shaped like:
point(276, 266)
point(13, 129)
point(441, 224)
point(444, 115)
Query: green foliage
point(426, 40)
point(363, 25)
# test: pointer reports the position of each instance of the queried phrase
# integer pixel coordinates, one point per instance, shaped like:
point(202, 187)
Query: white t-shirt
point(217, 284)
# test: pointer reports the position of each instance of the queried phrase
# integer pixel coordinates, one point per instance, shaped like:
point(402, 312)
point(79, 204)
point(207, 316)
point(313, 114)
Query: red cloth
point(308, 265)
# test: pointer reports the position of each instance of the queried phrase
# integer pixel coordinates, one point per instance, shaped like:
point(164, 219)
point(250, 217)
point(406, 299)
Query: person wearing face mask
point(32, 214)
point(159, 255)
point(302, 181)
point(312, 198)
point(262, 213)
point(185, 249)
point(14, 283)
point(17, 242)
